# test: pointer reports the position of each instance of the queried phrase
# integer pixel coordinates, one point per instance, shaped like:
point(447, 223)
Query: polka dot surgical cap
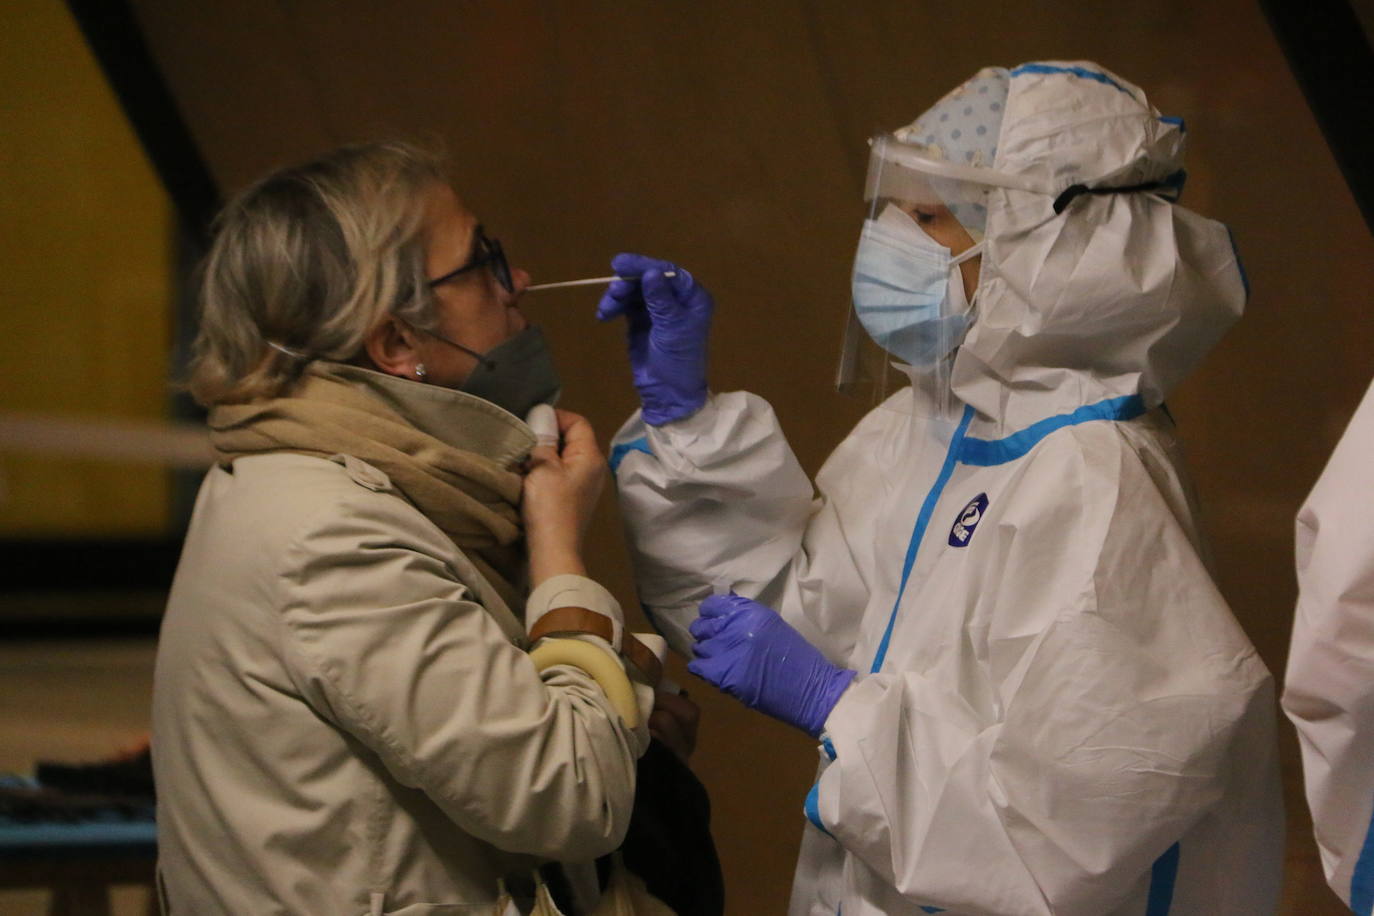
point(962, 127)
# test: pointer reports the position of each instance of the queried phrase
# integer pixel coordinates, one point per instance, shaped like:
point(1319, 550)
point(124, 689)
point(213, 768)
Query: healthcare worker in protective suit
point(995, 610)
point(1329, 690)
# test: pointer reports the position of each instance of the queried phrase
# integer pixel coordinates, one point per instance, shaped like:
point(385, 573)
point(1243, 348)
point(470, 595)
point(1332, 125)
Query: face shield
point(910, 306)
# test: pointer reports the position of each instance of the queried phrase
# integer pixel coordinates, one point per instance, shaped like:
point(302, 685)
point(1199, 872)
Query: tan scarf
point(450, 454)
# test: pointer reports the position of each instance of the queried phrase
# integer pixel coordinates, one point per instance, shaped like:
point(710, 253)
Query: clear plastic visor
point(909, 308)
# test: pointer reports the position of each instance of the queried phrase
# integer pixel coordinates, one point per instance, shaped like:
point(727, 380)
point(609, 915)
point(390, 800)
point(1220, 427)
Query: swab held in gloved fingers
point(590, 281)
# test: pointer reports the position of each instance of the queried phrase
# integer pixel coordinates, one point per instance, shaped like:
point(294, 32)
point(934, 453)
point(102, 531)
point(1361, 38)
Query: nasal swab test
point(590, 281)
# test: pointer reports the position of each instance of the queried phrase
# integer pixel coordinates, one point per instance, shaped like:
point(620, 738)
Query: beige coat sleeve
point(383, 641)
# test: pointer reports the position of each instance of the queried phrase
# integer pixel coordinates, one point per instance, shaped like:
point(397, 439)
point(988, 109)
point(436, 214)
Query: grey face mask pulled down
point(517, 374)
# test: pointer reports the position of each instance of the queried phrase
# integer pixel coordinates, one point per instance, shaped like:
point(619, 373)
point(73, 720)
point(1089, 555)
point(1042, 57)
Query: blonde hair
point(307, 261)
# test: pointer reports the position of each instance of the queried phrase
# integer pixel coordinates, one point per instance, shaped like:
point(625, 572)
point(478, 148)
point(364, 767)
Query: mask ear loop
point(968, 254)
point(488, 363)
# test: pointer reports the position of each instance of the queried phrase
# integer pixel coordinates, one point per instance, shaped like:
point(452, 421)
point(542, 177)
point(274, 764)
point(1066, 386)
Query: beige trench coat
point(343, 722)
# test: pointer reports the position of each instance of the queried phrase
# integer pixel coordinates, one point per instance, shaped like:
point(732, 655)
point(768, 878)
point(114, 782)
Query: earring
point(420, 372)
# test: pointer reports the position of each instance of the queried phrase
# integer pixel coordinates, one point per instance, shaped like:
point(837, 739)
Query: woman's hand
point(674, 722)
point(561, 489)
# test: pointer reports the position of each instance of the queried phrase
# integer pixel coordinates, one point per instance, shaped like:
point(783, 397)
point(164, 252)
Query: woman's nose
point(520, 278)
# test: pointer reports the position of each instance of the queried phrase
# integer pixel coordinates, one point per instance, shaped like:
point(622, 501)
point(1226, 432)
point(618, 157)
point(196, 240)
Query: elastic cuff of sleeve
point(833, 691)
point(826, 734)
point(574, 591)
point(673, 443)
point(677, 413)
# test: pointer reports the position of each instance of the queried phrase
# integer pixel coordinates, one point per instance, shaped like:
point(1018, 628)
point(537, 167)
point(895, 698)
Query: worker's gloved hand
point(751, 653)
point(668, 319)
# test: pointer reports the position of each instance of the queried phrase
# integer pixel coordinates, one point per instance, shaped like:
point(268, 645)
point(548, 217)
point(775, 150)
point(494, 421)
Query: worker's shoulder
point(1110, 467)
point(1098, 454)
point(1100, 438)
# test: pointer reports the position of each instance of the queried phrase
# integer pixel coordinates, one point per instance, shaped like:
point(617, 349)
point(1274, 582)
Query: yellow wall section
point(85, 277)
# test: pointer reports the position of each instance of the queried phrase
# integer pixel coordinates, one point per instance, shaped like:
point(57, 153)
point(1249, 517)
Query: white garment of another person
point(1329, 689)
point(1056, 712)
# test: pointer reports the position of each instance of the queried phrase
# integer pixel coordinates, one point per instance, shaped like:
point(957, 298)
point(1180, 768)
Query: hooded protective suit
point(1056, 712)
point(1329, 690)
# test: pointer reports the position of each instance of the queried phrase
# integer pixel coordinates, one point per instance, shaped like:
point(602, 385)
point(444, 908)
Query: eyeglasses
point(486, 253)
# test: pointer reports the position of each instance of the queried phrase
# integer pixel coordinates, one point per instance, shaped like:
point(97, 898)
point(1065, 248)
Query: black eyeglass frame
point(489, 253)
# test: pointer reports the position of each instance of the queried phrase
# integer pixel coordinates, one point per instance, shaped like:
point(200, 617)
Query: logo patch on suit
point(968, 520)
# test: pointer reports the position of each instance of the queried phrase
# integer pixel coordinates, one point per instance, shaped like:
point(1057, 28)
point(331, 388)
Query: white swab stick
point(590, 281)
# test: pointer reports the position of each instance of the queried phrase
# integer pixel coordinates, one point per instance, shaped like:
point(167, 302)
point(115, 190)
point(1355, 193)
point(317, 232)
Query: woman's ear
point(393, 348)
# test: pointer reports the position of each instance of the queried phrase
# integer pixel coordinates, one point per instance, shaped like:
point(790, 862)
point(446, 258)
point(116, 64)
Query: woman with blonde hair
point(346, 718)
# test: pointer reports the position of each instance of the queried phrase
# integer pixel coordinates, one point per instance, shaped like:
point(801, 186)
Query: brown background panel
point(730, 137)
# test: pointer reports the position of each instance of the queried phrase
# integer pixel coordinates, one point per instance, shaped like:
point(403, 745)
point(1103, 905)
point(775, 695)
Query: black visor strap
point(1168, 188)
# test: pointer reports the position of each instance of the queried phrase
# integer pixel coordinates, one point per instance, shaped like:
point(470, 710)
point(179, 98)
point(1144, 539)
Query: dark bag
point(669, 842)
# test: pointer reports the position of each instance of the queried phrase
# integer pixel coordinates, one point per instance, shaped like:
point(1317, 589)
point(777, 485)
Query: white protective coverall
point(1056, 711)
point(1329, 690)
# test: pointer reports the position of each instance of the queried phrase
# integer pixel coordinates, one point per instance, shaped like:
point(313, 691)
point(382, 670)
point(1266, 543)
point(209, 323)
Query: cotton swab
point(590, 281)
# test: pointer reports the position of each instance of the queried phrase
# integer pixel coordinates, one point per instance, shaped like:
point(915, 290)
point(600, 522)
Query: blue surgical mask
point(904, 290)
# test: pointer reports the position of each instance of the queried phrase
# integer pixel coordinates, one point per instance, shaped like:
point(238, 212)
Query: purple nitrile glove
point(751, 653)
point(667, 321)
